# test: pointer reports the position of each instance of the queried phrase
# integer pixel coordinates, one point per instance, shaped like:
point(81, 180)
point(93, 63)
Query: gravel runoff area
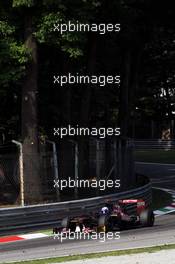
point(159, 257)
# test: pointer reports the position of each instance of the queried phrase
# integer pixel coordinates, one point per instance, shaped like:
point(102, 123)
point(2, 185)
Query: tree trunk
point(32, 181)
point(169, 108)
point(86, 98)
point(124, 94)
point(124, 113)
point(85, 109)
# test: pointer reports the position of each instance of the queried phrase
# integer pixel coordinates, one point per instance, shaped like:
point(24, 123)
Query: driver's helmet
point(104, 210)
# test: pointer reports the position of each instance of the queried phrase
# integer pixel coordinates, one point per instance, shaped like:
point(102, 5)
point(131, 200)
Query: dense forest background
point(143, 53)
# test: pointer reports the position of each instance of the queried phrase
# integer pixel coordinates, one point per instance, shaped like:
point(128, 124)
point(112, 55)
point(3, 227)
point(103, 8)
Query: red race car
point(83, 224)
point(124, 214)
point(119, 215)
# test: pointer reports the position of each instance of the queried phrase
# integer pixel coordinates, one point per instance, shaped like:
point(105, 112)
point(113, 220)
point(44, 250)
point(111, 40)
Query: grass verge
point(99, 255)
point(157, 156)
point(160, 199)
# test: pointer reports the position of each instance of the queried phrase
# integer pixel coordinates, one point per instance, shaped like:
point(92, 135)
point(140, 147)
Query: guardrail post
point(115, 158)
point(55, 162)
point(76, 164)
point(21, 171)
point(97, 163)
point(119, 160)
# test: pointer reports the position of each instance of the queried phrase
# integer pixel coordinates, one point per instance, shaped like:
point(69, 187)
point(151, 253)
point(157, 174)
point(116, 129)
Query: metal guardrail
point(147, 144)
point(44, 216)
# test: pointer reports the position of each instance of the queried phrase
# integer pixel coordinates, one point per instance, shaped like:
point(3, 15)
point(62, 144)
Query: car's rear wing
point(140, 203)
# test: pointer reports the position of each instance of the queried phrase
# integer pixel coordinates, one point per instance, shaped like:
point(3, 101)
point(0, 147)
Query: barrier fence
point(105, 161)
point(49, 215)
point(90, 159)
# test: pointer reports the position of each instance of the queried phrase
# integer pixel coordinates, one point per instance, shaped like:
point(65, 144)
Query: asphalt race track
point(162, 175)
point(163, 232)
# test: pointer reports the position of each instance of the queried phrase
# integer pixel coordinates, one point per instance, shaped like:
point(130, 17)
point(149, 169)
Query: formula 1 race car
point(83, 223)
point(119, 215)
point(125, 214)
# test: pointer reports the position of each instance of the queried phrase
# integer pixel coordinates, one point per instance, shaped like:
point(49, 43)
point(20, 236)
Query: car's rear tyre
point(147, 218)
point(116, 223)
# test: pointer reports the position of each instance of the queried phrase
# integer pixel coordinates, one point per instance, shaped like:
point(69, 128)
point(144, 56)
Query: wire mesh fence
point(9, 174)
point(70, 162)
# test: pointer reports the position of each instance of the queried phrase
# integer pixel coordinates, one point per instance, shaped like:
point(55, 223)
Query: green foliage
point(45, 27)
point(26, 3)
point(73, 52)
point(70, 52)
point(55, 3)
point(13, 60)
point(6, 29)
point(68, 42)
point(13, 55)
point(18, 52)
